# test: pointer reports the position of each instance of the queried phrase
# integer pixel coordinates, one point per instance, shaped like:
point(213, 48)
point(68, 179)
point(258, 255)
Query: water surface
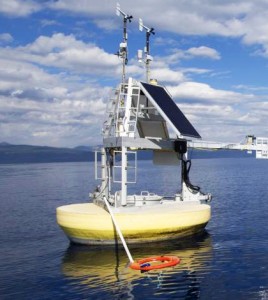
point(227, 261)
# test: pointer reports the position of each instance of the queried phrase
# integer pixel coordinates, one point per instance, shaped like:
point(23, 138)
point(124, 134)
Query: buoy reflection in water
point(104, 271)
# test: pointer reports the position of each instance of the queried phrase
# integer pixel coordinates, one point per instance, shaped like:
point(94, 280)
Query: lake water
point(228, 261)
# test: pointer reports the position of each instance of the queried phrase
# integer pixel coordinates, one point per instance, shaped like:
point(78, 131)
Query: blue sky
point(57, 65)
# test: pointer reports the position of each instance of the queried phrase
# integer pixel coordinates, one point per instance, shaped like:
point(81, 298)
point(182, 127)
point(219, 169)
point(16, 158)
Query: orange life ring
point(144, 263)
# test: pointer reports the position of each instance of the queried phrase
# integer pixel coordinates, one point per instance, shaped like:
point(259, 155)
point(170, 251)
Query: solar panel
point(158, 96)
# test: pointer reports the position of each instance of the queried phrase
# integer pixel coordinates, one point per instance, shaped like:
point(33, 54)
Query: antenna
point(122, 53)
point(140, 24)
point(148, 57)
point(118, 9)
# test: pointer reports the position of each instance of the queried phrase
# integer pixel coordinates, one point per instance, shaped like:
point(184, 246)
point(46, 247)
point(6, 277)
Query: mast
point(122, 53)
point(148, 57)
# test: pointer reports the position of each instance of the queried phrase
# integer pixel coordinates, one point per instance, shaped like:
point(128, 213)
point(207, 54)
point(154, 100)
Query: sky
point(58, 65)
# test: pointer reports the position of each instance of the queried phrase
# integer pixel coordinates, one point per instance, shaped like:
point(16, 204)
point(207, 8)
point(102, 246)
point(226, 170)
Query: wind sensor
point(148, 57)
point(122, 53)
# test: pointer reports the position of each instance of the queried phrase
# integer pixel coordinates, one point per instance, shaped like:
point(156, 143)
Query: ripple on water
point(106, 271)
point(228, 263)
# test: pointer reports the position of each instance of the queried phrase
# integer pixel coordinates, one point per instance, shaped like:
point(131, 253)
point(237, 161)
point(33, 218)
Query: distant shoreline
point(15, 154)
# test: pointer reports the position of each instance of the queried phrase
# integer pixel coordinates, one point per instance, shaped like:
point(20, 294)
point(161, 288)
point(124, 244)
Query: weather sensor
point(148, 57)
point(122, 53)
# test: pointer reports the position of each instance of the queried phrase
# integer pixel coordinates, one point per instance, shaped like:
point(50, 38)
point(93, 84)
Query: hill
point(42, 154)
point(36, 154)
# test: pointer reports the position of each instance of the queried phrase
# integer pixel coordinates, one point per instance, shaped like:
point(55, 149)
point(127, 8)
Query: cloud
point(258, 89)
point(71, 118)
point(17, 8)
point(166, 75)
point(45, 106)
point(203, 51)
point(18, 75)
point(102, 8)
point(243, 19)
point(221, 114)
point(46, 22)
point(192, 17)
point(108, 24)
point(177, 55)
point(6, 38)
point(44, 100)
point(65, 52)
point(161, 41)
point(196, 71)
point(225, 122)
point(54, 89)
point(203, 93)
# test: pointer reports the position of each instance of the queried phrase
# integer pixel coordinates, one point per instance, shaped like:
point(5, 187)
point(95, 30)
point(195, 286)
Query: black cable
point(186, 167)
